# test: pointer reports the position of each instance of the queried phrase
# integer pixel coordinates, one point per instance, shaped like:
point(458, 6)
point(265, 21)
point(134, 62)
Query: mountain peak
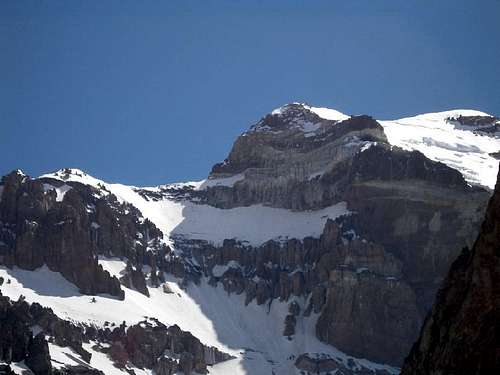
point(324, 113)
point(298, 116)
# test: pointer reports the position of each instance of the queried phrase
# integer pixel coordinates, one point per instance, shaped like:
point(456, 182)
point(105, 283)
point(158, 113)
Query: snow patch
point(219, 270)
point(226, 181)
point(60, 191)
point(327, 113)
point(440, 140)
point(63, 356)
point(115, 266)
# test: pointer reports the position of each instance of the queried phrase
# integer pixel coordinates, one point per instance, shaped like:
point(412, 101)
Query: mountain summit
point(316, 246)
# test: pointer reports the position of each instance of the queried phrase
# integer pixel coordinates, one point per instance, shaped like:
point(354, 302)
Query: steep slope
point(144, 265)
point(315, 244)
point(462, 332)
point(463, 139)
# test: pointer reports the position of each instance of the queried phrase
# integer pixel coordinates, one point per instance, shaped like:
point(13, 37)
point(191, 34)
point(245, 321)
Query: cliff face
point(68, 226)
point(366, 232)
point(462, 332)
point(413, 211)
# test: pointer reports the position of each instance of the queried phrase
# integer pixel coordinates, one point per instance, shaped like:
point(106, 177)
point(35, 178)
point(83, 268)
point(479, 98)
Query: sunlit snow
point(442, 141)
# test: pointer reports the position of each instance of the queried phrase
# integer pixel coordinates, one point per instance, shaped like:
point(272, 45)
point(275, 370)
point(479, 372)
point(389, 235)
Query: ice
point(440, 140)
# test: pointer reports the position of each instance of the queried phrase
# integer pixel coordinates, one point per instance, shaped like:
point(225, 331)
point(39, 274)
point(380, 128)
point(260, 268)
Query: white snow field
point(452, 145)
point(253, 224)
point(249, 333)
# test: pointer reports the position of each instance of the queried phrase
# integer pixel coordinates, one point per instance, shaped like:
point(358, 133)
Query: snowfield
point(452, 145)
point(253, 225)
point(249, 333)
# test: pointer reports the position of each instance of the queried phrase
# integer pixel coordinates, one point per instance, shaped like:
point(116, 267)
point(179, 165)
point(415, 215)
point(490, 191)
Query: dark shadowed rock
point(38, 359)
point(461, 335)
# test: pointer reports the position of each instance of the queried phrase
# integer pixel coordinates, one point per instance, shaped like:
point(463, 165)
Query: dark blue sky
point(152, 92)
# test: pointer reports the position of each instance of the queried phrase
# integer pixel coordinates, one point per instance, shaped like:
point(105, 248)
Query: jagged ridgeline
point(317, 245)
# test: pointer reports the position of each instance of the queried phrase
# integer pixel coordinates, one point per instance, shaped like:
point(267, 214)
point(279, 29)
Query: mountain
point(317, 245)
point(462, 332)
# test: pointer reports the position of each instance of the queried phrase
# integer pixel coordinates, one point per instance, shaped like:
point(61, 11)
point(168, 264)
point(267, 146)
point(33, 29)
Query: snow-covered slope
point(184, 218)
point(441, 140)
point(249, 333)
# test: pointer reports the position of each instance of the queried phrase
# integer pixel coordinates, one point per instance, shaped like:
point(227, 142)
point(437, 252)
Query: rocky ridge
point(461, 333)
point(366, 281)
point(28, 328)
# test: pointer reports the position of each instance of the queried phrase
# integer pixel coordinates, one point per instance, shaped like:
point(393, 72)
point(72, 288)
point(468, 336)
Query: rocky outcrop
point(374, 274)
point(67, 225)
point(16, 340)
point(461, 334)
point(168, 350)
point(282, 163)
point(38, 359)
point(366, 315)
point(365, 305)
point(148, 344)
point(134, 279)
point(489, 125)
point(15, 328)
point(308, 363)
point(420, 211)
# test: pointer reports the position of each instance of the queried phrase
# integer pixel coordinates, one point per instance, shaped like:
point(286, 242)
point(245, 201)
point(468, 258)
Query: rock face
point(313, 364)
point(461, 334)
point(148, 344)
point(168, 350)
point(284, 155)
point(482, 124)
point(413, 214)
point(367, 281)
point(365, 305)
point(66, 227)
point(38, 359)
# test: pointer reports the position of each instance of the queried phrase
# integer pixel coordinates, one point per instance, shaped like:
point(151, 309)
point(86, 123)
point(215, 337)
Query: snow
point(20, 368)
point(310, 129)
point(250, 333)
point(63, 356)
point(115, 266)
point(254, 224)
point(102, 362)
point(220, 270)
point(226, 181)
point(327, 113)
point(442, 141)
point(367, 145)
point(436, 137)
point(60, 191)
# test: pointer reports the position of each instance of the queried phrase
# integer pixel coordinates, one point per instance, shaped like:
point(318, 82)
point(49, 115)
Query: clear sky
point(149, 92)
